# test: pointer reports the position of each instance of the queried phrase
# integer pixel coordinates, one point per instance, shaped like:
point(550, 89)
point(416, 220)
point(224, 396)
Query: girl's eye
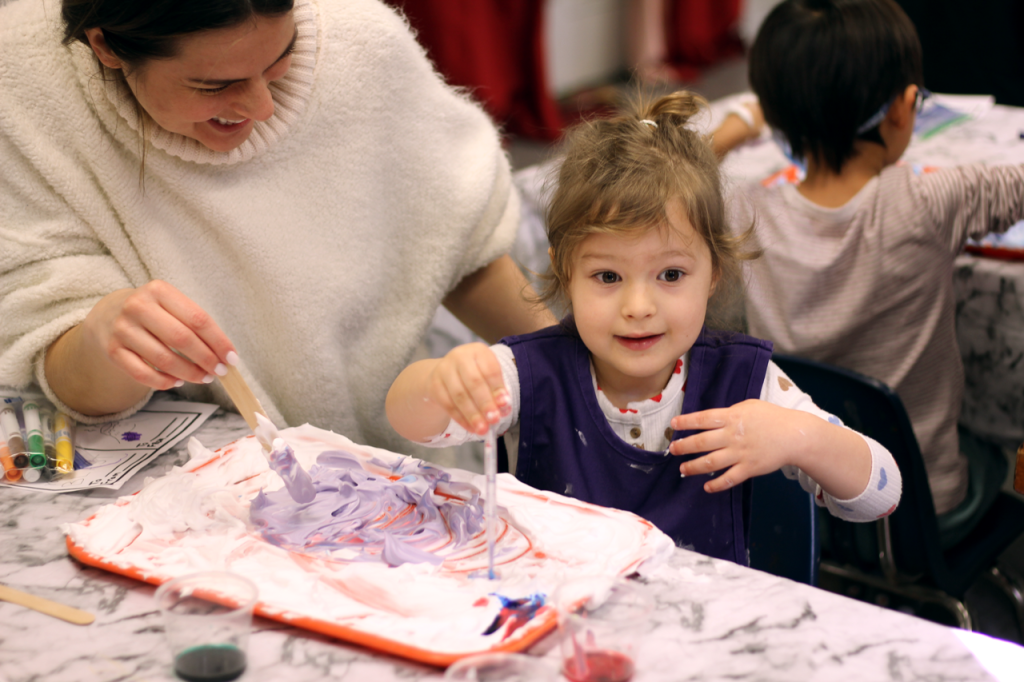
point(672, 275)
point(213, 91)
point(607, 277)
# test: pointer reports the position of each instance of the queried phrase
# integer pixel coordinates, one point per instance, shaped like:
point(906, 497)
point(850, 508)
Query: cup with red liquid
point(601, 621)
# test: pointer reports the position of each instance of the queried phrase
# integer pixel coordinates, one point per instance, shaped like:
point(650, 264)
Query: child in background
point(631, 390)
point(858, 257)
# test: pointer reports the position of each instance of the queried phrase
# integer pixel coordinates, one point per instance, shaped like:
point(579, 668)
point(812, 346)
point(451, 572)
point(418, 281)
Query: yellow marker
point(65, 450)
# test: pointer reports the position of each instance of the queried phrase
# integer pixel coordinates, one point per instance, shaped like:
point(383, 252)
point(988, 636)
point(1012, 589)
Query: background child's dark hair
point(616, 175)
point(822, 68)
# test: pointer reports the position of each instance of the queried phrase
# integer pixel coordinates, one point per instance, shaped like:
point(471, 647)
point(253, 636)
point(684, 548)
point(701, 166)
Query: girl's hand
point(468, 385)
point(751, 438)
point(157, 336)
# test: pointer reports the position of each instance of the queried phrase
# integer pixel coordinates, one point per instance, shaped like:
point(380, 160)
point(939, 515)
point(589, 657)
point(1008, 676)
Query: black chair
point(901, 554)
point(784, 529)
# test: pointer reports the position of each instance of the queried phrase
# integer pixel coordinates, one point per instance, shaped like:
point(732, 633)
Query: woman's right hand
point(467, 383)
point(157, 336)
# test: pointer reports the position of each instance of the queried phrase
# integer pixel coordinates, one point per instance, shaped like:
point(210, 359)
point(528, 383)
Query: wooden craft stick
point(1018, 472)
point(240, 393)
point(50, 608)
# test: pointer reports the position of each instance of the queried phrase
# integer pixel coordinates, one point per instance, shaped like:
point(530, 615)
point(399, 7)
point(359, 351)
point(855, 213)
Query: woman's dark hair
point(140, 30)
point(822, 68)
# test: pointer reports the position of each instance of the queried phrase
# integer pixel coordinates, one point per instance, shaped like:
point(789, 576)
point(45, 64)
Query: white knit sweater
point(321, 246)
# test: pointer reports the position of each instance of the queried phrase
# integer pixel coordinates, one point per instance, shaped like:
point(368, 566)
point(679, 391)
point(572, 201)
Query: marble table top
point(714, 620)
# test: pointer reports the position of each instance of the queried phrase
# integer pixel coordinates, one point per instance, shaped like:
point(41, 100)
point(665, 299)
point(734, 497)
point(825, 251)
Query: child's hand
point(468, 385)
point(751, 438)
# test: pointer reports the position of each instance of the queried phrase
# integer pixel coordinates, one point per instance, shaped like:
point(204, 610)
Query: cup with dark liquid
point(601, 620)
point(207, 618)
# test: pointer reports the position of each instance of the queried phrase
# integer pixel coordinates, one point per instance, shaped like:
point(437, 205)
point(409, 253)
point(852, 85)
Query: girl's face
point(217, 86)
point(639, 303)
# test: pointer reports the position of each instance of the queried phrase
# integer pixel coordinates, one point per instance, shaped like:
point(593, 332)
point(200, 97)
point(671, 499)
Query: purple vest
point(567, 446)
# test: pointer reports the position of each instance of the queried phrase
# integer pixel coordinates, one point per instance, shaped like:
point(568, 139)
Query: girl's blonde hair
point(616, 176)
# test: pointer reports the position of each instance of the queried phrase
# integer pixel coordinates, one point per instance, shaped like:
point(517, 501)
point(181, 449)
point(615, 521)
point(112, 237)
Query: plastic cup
point(601, 621)
point(207, 618)
point(501, 667)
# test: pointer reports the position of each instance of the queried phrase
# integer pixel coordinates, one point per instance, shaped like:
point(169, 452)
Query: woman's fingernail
point(208, 379)
point(501, 397)
point(493, 416)
point(220, 370)
point(232, 358)
point(179, 383)
point(682, 474)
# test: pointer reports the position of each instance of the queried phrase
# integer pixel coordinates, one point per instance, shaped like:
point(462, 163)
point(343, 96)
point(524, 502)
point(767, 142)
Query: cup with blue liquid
point(207, 618)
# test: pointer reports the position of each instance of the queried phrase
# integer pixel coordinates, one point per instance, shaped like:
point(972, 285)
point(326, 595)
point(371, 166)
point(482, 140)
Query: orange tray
point(1000, 252)
point(542, 622)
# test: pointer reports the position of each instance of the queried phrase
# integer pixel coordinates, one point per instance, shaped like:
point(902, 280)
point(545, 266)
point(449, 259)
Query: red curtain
point(494, 48)
point(702, 32)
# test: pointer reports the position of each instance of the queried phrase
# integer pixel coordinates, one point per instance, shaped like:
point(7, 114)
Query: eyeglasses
point(922, 96)
point(919, 100)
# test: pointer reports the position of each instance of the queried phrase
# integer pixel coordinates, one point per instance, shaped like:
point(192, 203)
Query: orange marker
point(11, 472)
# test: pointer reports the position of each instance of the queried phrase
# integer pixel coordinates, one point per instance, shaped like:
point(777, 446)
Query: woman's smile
point(224, 125)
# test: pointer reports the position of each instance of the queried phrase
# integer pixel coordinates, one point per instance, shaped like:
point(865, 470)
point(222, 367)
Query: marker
point(49, 451)
point(63, 445)
point(31, 475)
point(34, 434)
point(11, 472)
point(15, 441)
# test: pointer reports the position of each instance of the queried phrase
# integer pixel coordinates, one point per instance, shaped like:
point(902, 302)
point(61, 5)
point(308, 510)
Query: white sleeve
point(882, 493)
point(454, 434)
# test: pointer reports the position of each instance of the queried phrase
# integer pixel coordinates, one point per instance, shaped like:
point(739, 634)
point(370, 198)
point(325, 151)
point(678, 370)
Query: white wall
point(586, 39)
point(585, 42)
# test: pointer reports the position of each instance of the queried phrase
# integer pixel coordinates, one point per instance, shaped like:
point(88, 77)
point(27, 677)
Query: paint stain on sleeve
point(785, 383)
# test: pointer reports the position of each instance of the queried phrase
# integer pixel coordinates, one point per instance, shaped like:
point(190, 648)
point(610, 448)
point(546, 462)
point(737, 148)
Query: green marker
point(34, 434)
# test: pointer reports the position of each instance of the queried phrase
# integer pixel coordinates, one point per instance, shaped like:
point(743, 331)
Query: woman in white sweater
point(186, 183)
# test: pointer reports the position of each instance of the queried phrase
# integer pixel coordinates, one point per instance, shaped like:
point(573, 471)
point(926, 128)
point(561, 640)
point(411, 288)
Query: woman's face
point(217, 86)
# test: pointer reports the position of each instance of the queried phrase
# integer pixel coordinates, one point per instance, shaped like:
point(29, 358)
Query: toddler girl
point(631, 387)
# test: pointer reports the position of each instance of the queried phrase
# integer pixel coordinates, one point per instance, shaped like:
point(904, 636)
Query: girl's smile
point(639, 302)
point(639, 342)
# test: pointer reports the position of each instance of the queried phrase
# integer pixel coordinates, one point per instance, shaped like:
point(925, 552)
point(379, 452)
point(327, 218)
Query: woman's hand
point(133, 340)
point(755, 437)
point(158, 336)
point(465, 385)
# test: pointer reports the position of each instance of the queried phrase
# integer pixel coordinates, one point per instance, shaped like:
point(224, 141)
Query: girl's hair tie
point(649, 122)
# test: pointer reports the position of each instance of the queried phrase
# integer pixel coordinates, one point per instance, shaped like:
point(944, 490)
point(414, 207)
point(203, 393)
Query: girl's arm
point(859, 478)
point(466, 385)
point(490, 302)
point(755, 437)
point(744, 122)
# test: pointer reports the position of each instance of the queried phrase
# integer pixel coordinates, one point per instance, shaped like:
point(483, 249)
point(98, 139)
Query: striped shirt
point(869, 286)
